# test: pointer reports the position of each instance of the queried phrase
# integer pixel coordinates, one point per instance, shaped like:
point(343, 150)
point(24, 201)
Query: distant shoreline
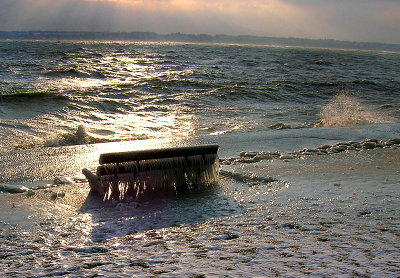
point(194, 38)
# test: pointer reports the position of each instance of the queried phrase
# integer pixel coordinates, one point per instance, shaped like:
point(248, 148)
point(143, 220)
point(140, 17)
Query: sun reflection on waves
point(153, 125)
point(113, 69)
point(74, 83)
point(134, 126)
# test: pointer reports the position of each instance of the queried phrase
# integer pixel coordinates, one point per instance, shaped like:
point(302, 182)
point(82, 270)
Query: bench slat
point(119, 157)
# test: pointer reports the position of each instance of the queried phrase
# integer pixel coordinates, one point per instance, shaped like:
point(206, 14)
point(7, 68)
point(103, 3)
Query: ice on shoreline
point(367, 144)
point(300, 224)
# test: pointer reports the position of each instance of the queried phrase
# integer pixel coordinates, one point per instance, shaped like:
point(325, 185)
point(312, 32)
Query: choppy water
point(64, 103)
point(128, 91)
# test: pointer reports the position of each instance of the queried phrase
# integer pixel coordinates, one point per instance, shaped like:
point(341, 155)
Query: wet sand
point(333, 215)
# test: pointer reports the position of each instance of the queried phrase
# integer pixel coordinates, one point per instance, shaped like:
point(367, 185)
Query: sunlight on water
point(152, 125)
point(131, 91)
point(275, 211)
point(75, 83)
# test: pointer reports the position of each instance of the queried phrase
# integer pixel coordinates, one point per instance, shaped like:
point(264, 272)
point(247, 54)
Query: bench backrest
point(118, 157)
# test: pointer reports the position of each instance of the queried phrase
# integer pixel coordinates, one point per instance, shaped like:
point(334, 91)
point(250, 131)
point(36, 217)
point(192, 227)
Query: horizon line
point(205, 36)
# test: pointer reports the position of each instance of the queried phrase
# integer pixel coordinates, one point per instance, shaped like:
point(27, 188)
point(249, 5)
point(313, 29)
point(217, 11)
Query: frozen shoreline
point(325, 215)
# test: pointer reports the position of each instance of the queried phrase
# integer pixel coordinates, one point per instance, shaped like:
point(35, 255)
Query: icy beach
point(309, 178)
point(321, 215)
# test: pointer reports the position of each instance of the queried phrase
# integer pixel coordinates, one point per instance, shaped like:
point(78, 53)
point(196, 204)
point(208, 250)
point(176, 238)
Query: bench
point(131, 173)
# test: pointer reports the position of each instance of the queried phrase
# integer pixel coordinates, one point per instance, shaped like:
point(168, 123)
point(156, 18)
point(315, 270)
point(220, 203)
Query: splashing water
point(78, 137)
point(346, 110)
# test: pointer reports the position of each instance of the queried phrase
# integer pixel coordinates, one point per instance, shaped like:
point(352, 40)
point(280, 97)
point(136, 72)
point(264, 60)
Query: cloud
point(363, 20)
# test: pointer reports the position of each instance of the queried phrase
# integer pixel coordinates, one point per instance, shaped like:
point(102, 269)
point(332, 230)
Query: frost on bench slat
point(136, 173)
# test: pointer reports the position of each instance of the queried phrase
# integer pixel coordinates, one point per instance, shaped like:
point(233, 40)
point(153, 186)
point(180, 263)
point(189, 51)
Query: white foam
point(346, 110)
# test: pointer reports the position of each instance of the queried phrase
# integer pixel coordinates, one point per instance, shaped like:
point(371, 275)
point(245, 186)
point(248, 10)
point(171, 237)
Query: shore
point(323, 215)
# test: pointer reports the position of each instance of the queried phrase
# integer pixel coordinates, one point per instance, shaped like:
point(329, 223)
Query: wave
point(29, 105)
point(318, 83)
point(78, 137)
point(66, 73)
point(345, 110)
point(73, 73)
point(30, 187)
point(33, 96)
point(81, 137)
point(364, 82)
point(279, 126)
point(180, 83)
point(321, 62)
point(249, 179)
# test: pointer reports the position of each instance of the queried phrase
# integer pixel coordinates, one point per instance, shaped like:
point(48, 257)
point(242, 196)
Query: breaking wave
point(79, 137)
point(75, 137)
point(346, 110)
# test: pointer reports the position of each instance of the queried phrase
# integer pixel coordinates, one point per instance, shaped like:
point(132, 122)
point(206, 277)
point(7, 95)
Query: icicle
point(168, 174)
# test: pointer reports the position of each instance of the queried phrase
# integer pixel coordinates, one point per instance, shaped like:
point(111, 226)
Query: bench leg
point(94, 182)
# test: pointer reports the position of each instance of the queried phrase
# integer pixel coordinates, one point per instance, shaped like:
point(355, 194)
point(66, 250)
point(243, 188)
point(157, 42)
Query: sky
point(353, 20)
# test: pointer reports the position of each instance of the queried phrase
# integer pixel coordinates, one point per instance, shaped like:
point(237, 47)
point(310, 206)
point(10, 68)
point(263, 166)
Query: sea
point(63, 103)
